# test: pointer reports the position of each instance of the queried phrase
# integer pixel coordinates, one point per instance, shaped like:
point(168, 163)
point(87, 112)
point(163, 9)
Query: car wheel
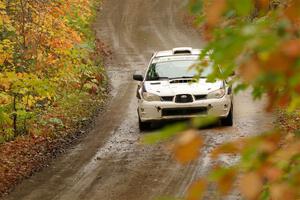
point(144, 126)
point(228, 121)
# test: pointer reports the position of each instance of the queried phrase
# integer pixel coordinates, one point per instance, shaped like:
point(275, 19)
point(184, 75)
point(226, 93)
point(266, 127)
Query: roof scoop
point(182, 50)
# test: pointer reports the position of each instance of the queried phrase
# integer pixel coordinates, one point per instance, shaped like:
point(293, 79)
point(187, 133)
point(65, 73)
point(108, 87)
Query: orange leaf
point(270, 143)
point(228, 148)
point(187, 146)
point(196, 190)
point(225, 184)
point(250, 70)
point(286, 153)
point(272, 173)
point(282, 191)
point(291, 48)
point(263, 4)
point(251, 185)
point(214, 11)
point(278, 62)
point(297, 88)
point(293, 10)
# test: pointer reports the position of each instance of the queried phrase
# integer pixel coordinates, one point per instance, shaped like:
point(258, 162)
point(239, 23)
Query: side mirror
point(138, 77)
point(229, 90)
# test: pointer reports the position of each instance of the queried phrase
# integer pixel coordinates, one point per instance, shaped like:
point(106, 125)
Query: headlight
point(150, 97)
point(217, 94)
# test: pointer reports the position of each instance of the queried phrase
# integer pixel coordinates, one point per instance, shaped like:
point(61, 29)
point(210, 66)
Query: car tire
point(144, 126)
point(228, 121)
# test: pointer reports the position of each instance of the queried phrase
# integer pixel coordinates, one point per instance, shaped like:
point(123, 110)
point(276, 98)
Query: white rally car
point(169, 90)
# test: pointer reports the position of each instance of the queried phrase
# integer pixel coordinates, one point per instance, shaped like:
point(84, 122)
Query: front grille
point(200, 97)
point(184, 98)
point(167, 98)
point(183, 111)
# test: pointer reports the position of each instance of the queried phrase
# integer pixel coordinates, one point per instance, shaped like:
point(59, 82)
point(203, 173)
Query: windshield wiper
point(158, 78)
point(163, 78)
point(183, 77)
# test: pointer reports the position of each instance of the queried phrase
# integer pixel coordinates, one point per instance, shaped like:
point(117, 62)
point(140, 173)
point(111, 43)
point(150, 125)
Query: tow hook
point(158, 108)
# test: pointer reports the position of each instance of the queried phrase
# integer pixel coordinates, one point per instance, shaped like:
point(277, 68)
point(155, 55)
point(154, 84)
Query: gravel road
point(110, 163)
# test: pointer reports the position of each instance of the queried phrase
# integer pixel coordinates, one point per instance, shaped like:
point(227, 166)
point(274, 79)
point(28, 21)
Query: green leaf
point(165, 134)
point(196, 6)
point(201, 122)
point(240, 87)
point(265, 195)
point(243, 8)
point(219, 173)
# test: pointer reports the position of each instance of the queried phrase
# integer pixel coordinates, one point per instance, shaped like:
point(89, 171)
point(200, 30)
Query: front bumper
point(157, 111)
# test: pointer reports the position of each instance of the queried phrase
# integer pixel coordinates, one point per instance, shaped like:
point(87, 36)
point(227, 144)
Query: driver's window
point(152, 74)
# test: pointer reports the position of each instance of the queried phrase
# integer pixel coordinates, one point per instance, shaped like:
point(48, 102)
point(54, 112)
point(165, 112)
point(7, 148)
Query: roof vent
point(182, 50)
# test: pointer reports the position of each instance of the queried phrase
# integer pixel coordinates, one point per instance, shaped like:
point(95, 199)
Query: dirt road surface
point(110, 163)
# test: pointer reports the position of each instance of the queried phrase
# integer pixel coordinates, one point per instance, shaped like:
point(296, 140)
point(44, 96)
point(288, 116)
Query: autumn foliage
point(260, 40)
point(46, 59)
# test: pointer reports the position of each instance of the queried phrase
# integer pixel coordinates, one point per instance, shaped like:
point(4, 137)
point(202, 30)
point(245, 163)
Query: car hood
point(175, 87)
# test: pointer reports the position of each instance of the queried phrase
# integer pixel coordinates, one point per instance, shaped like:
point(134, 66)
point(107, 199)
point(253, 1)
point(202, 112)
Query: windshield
point(175, 69)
